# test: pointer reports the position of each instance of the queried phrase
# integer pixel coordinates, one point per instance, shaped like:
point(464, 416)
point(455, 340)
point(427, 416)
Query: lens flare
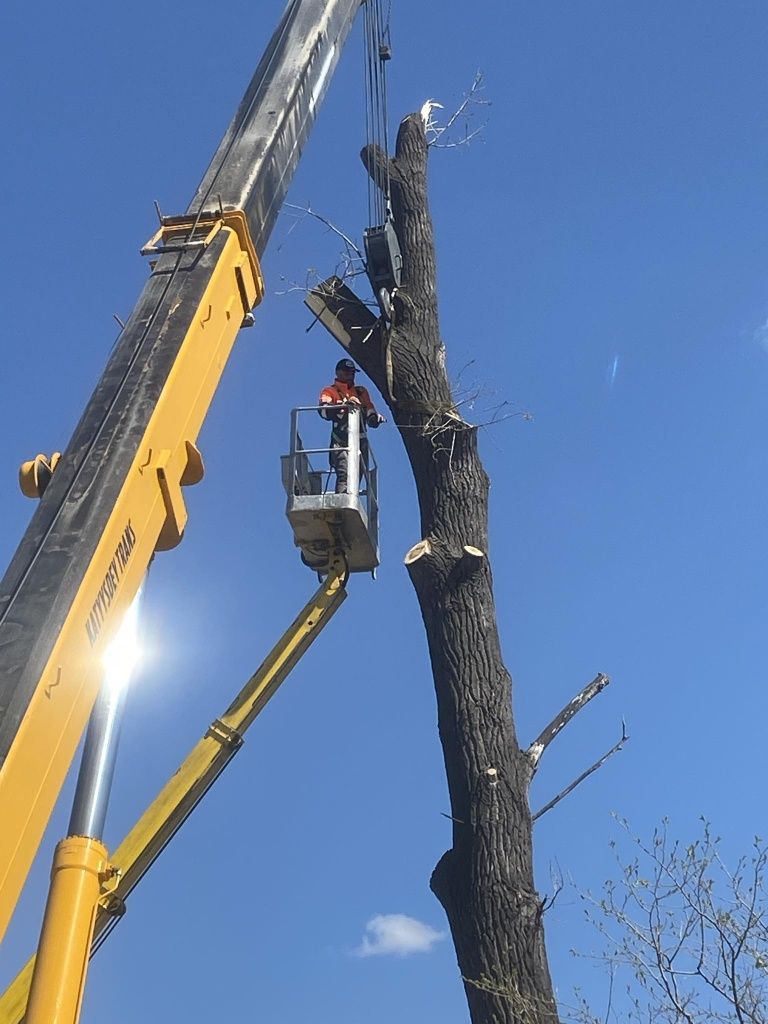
point(123, 652)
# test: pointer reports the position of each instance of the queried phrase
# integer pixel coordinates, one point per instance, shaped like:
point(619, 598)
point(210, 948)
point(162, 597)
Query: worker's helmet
point(346, 364)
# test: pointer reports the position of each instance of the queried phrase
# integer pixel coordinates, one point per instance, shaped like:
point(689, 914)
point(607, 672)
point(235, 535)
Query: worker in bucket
point(342, 394)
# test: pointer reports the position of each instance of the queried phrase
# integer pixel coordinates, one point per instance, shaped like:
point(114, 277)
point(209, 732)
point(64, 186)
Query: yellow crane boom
point(115, 496)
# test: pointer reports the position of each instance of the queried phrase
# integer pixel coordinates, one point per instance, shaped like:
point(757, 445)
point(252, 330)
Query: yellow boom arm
point(181, 794)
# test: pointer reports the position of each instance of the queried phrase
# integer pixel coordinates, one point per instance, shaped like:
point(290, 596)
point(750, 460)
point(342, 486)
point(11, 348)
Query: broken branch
point(558, 723)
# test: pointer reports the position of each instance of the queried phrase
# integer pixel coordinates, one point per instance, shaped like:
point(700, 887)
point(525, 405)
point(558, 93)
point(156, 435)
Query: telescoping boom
point(116, 494)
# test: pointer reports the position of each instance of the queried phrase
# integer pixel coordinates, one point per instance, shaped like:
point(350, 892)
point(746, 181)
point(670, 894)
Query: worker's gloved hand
point(375, 419)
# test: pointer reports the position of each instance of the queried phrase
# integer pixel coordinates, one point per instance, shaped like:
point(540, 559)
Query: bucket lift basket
point(323, 521)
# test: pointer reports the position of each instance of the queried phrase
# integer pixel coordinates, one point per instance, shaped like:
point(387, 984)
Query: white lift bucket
point(322, 520)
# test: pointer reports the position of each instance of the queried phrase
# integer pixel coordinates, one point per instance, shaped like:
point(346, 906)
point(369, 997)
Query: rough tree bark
point(485, 880)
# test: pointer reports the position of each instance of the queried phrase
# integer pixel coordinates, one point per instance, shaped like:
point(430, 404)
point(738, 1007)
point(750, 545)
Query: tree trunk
point(485, 880)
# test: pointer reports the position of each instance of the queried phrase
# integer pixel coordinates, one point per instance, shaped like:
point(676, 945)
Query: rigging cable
point(384, 260)
point(377, 53)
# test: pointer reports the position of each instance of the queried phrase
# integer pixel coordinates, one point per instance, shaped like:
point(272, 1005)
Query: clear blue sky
point(602, 262)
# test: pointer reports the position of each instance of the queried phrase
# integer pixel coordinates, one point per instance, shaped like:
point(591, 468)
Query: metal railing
point(303, 477)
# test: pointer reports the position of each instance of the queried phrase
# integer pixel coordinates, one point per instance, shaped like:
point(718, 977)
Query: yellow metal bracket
point(224, 734)
point(178, 234)
point(109, 878)
point(170, 484)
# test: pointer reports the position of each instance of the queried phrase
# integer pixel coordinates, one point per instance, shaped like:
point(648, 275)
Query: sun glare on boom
point(123, 653)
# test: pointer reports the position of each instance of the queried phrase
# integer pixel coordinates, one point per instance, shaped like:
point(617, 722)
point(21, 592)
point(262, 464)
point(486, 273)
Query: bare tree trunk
point(485, 880)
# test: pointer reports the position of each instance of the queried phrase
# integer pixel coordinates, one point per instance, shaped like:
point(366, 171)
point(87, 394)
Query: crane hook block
point(384, 263)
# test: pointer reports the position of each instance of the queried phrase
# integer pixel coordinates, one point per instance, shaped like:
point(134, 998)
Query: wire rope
point(376, 36)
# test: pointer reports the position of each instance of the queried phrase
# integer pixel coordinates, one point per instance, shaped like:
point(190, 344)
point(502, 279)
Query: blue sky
point(602, 265)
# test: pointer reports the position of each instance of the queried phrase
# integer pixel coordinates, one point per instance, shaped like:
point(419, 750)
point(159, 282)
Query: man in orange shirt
point(344, 392)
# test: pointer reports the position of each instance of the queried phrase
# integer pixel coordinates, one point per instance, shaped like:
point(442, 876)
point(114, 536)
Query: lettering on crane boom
point(108, 588)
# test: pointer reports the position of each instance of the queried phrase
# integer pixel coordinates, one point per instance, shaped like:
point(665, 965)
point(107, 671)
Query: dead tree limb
point(562, 718)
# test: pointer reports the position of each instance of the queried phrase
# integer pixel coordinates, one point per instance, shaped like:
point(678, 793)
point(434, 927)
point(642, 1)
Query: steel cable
point(376, 31)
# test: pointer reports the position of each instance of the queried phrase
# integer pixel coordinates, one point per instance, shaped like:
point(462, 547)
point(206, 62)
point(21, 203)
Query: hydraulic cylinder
point(80, 866)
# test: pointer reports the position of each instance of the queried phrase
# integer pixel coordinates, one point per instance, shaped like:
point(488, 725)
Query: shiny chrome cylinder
point(353, 450)
point(97, 768)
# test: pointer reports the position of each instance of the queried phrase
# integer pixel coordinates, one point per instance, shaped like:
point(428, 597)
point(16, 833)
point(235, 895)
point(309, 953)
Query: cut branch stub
point(471, 561)
point(421, 565)
point(471, 557)
point(377, 163)
point(418, 551)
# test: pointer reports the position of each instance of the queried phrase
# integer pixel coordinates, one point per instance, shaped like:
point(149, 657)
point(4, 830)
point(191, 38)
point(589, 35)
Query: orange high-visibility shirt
point(339, 392)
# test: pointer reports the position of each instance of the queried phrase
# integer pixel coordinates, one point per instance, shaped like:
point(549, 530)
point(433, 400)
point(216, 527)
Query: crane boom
point(116, 496)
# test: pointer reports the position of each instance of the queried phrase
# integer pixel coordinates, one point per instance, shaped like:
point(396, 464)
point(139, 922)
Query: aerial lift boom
point(200, 769)
point(116, 494)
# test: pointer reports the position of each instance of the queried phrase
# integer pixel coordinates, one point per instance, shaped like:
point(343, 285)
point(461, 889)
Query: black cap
point(346, 364)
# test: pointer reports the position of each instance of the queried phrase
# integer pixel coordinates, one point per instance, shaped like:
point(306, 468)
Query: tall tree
point(485, 880)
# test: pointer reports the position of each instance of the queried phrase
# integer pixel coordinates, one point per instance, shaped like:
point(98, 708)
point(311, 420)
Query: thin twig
point(607, 1017)
point(584, 775)
point(437, 131)
point(467, 137)
point(329, 224)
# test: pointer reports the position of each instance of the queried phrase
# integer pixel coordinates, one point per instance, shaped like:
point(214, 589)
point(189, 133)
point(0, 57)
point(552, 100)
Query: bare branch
point(549, 901)
point(299, 286)
point(465, 138)
point(610, 999)
point(688, 931)
point(329, 224)
point(562, 718)
point(351, 262)
point(584, 775)
point(437, 134)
